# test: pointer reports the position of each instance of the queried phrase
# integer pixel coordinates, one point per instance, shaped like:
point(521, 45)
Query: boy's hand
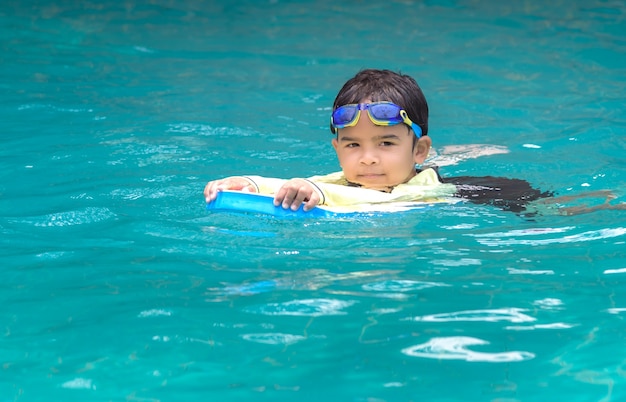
point(295, 192)
point(229, 183)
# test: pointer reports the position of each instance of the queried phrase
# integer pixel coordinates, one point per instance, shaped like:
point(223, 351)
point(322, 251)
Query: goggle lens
point(386, 112)
point(344, 115)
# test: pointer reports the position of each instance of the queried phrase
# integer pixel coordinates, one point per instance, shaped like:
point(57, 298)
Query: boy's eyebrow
point(376, 138)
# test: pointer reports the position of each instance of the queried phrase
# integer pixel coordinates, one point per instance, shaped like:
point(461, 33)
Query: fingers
point(213, 187)
point(230, 183)
point(210, 191)
point(294, 193)
point(312, 202)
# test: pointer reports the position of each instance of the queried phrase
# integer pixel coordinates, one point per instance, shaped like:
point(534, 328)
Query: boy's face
point(379, 157)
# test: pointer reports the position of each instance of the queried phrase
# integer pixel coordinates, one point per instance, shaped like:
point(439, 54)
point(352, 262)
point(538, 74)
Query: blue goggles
point(380, 113)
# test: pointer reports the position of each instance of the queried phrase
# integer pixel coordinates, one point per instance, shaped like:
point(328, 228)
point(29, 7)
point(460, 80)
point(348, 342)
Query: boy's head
point(386, 85)
point(380, 154)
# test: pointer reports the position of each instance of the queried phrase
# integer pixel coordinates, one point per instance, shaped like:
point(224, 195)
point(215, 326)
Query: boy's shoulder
point(426, 176)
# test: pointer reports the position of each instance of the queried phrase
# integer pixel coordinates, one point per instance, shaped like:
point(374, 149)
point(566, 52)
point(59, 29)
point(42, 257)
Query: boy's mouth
point(371, 175)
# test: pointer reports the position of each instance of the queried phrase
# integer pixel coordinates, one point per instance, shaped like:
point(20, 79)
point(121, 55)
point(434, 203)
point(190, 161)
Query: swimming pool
point(116, 283)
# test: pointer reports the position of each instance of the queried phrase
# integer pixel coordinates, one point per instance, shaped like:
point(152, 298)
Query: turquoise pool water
point(117, 284)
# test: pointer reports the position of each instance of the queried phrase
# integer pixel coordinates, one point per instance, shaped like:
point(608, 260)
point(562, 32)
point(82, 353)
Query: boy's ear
point(335, 143)
point(422, 149)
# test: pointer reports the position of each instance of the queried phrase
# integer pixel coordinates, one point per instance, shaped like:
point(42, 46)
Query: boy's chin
point(377, 186)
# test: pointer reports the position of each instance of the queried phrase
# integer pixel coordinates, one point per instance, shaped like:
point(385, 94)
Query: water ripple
point(306, 307)
point(454, 348)
point(494, 315)
point(400, 286)
point(79, 383)
point(492, 240)
point(69, 218)
point(275, 338)
point(555, 325)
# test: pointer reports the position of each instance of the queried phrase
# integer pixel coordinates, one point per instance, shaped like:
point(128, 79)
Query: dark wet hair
point(386, 85)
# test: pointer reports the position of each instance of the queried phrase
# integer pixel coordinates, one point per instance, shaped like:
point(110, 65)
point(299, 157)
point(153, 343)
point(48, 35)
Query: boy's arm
point(265, 185)
point(337, 195)
point(326, 190)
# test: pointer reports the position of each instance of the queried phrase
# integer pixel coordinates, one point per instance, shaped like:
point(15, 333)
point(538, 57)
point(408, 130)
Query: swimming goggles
point(380, 113)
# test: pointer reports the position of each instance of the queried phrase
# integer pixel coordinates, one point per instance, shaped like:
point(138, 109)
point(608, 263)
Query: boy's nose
point(369, 158)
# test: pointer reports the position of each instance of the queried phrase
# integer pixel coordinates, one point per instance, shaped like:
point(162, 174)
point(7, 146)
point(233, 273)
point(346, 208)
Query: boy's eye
point(352, 145)
point(386, 143)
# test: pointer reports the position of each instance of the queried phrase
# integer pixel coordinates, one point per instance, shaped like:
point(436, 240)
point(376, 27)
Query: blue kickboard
point(235, 201)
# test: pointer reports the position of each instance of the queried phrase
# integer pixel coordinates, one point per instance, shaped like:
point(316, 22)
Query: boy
point(377, 144)
point(380, 122)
